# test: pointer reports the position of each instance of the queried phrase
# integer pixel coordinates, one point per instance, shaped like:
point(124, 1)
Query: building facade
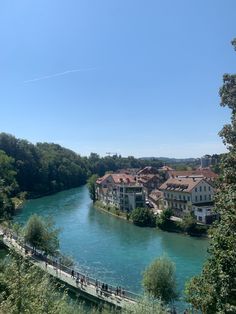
point(121, 191)
point(186, 194)
point(149, 182)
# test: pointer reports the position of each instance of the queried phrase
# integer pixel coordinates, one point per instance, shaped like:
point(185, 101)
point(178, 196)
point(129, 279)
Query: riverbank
point(169, 226)
point(112, 211)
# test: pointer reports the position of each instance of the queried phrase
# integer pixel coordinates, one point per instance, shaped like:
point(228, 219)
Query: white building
point(120, 190)
point(185, 194)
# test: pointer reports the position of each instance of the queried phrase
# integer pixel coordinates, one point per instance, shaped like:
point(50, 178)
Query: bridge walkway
point(81, 284)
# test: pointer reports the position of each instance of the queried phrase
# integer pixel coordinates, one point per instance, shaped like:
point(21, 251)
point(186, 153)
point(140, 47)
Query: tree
point(189, 222)
point(143, 217)
point(214, 290)
point(42, 234)
point(8, 185)
point(92, 186)
point(159, 280)
point(164, 218)
point(24, 288)
point(145, 306)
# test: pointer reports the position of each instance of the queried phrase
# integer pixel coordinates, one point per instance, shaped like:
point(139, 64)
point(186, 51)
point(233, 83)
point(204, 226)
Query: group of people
point(103, 288)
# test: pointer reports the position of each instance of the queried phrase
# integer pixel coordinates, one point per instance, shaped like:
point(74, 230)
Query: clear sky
point(132, 77)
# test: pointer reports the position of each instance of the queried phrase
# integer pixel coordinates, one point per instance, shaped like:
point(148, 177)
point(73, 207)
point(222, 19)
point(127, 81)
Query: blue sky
point(133, 77)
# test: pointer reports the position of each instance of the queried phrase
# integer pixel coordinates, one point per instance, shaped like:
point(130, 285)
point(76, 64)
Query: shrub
point(143, 217)
point(159, 280)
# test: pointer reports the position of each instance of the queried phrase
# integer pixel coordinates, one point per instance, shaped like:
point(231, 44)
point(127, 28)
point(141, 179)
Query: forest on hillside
point(28, 170)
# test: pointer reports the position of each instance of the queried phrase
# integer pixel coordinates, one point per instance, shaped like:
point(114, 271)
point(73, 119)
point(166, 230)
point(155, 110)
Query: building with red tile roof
point(186, 194)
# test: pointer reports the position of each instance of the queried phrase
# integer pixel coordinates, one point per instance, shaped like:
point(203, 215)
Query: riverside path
point(83, 285)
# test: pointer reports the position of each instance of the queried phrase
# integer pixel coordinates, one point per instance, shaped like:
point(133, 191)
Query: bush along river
point(111, 249)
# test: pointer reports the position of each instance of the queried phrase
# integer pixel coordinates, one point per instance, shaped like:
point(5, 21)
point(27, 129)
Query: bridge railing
point(72, 271)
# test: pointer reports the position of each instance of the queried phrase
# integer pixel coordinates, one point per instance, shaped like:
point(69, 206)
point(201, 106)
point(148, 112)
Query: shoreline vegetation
point(112, 210)
point(168, 226)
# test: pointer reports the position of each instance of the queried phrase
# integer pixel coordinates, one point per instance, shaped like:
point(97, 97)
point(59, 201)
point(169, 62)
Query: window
point(205, 197)
point(189, 198)
point(200, 189)
point(168, 195)
point(200, 197)
point(180, 197)
point(209, 188)
point(195, 198)
point(184, 207)
point(164, 194)
point(199, 210)
point(204, 188)
point(184, 198)
point(199, 218)
point(209, 196)
point(195, 189)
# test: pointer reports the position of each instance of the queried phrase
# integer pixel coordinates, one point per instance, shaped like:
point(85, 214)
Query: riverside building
point(121, 191)
point(186, 194)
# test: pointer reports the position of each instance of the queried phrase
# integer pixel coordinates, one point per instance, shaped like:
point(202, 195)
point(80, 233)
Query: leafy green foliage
point(189, 223)
point(26, 289)
point(163, 219)
point(146, 306)
point(214, 290)
point(46, 168)
point(143, 217)
point(92, 186)
point(42, 234)
point(8, 185)
point(159, 280)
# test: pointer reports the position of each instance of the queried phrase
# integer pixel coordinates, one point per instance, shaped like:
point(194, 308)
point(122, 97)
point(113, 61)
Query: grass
point(112, 210)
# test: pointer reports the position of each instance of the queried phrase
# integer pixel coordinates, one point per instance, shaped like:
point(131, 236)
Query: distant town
point(182, 191)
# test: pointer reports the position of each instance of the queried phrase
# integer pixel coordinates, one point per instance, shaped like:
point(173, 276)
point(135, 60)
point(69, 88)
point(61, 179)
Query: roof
point(117, 178)
point(148, 170)
point(148, 177)
point(101, 179)
point(166, 168)
point(155, 194)
point(181, 184)
point(204, 172)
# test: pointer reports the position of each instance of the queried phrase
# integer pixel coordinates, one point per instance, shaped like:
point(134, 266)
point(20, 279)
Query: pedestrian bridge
point(83, 285)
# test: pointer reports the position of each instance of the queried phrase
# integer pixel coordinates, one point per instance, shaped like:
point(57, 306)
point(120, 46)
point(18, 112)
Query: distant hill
point(171, 160)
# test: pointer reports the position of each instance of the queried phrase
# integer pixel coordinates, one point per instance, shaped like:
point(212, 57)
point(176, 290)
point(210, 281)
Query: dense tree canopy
point(8, 185)
point(214, 290)
point(46, 168)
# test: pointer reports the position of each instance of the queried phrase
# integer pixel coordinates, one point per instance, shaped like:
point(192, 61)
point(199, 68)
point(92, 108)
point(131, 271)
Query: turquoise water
point(110, 249)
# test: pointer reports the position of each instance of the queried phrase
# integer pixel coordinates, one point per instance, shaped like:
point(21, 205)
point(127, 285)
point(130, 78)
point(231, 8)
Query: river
point(111, 249)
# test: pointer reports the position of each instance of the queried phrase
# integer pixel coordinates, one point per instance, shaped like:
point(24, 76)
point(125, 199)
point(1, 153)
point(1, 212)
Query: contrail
point(57, 74)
